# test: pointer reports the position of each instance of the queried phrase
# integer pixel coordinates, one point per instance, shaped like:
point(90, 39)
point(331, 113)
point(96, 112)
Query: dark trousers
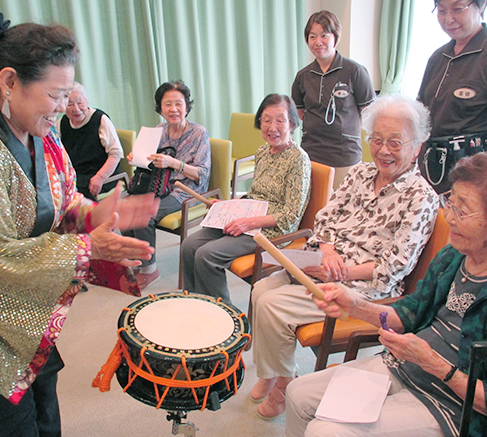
point(37, 414)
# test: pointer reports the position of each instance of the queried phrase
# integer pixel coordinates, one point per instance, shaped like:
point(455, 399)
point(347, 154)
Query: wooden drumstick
point(193, 193)
point(294, 270)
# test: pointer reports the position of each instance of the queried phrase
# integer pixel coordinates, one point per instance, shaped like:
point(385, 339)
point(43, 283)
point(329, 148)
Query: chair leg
point(325, 344)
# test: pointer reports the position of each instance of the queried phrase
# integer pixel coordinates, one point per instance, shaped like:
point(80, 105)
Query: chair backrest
point(245, 138)
point(438, 240)
point(366, 155)
point(221, 166)
point(127, 139)
point(321, 189)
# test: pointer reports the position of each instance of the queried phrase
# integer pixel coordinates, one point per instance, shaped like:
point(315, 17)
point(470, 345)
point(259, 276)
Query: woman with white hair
point(370, 234)
point(92, 143)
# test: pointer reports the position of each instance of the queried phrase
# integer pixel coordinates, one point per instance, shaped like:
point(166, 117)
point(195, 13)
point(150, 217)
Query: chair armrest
point(261, 272)
point(235, 178)
point(355, 341)
point(187, 204)
point(124, 176)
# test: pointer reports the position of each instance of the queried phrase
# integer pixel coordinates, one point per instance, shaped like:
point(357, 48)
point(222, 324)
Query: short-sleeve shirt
point(454, 88)
point(332, 102)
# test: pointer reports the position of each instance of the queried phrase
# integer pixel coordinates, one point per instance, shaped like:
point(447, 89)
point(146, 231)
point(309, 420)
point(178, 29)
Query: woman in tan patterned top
point(282, 178)
point(370, 234)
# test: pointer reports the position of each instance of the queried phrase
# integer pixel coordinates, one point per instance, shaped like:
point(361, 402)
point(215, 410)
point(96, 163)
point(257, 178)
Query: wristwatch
point(450, 374)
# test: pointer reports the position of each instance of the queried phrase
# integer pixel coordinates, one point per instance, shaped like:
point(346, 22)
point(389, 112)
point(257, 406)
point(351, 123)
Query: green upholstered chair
point(246, 139)
point(192, 212)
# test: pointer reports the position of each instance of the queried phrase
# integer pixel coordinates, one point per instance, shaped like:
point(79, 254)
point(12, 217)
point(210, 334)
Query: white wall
point(360, 34)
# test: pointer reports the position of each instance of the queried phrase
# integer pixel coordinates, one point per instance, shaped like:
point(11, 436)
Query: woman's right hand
point(107, 245)
point(342, 301)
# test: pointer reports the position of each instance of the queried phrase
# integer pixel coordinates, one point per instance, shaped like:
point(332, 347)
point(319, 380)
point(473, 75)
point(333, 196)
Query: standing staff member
point(454, 88)
point(329, 94)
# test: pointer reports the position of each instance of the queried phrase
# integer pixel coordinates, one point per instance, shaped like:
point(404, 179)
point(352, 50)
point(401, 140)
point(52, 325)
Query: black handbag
point(442, 153)
point(153, 180)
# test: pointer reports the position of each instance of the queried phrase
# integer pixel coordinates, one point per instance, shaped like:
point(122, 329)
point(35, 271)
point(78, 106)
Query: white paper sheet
point(354, 396)
point(224, 212)
point(302, 258)
point(145, 145)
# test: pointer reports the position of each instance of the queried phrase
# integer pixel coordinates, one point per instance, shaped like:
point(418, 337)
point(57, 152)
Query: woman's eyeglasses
point(448, 205)
point(458, 10)
point(393, 145)
point(268, 121)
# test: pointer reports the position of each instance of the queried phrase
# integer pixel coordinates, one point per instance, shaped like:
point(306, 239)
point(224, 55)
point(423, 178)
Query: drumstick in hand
point(293, 269)
point(193, 193)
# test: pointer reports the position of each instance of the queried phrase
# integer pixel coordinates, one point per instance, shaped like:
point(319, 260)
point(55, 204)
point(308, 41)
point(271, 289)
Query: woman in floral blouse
point(282, 178)
point(370, 234)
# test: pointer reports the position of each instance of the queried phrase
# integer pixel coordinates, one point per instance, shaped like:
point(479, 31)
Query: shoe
point(274, 405)
point(261, 389)
point(146, 279)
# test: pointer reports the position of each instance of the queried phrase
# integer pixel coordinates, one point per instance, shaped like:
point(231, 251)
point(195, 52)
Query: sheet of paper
point(354, 396)
point(302, 258)
point(145, 145)
point(224, 212)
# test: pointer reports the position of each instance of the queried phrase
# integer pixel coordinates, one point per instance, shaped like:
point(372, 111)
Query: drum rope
point(105, 375)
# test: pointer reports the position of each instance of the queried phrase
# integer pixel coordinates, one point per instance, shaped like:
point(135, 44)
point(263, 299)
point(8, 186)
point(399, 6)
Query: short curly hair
point(177, 85)
point(472, 169)
point(278, 99)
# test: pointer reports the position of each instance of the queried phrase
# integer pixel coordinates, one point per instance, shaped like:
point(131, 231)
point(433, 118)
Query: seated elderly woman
point(282, 178)
point(92, 143)
point(190, 165)
point(429, 335)
point(371, 234)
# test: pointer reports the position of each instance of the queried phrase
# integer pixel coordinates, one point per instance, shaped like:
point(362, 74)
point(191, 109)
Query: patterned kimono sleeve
point(401, 254)
point(74, 214)
point(298, 180)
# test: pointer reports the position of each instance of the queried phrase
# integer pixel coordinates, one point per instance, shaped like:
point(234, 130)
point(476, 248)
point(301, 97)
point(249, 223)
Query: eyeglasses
point(268, 121)
point(448, 205)
point(455, 11)
point(392, 145)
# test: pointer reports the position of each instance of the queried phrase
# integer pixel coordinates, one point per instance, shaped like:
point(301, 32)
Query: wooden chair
point(192, 212)
point(332, 335)
point(246, 139)
point(250, 267)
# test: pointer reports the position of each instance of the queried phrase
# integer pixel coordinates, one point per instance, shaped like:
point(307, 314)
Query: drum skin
point(165, 360)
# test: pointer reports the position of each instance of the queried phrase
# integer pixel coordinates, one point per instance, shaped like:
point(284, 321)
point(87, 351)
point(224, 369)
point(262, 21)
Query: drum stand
point(188, 429)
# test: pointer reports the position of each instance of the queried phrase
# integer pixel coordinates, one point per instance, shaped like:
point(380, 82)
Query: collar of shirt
point(337, 64)
point(476, 44)
point(402, 183)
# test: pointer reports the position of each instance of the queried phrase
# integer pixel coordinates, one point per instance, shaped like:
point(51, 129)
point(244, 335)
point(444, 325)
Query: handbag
point(152, 180)
point(442, 153)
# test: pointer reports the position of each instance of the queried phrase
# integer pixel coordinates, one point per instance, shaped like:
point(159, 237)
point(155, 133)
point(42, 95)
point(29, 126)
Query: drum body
point(182, 338)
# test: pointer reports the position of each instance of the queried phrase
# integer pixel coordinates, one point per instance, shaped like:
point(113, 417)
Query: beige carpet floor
point(87, 339)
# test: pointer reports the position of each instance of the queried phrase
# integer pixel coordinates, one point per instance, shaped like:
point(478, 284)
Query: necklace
point(468, 277)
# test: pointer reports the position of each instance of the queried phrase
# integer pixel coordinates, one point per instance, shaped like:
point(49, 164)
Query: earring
point(6, 106)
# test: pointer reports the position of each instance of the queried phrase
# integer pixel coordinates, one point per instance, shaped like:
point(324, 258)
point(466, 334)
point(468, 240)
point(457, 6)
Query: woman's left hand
point(134, 211)
point(319, 272)
point(410, 347)
point(238, 226)
point(161, 160)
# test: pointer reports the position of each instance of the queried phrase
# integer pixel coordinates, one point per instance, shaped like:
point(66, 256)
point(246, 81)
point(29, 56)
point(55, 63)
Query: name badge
point(465, 93)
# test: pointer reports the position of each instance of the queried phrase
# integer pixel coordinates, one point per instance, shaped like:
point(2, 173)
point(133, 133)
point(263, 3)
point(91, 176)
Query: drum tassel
point(105, 375)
